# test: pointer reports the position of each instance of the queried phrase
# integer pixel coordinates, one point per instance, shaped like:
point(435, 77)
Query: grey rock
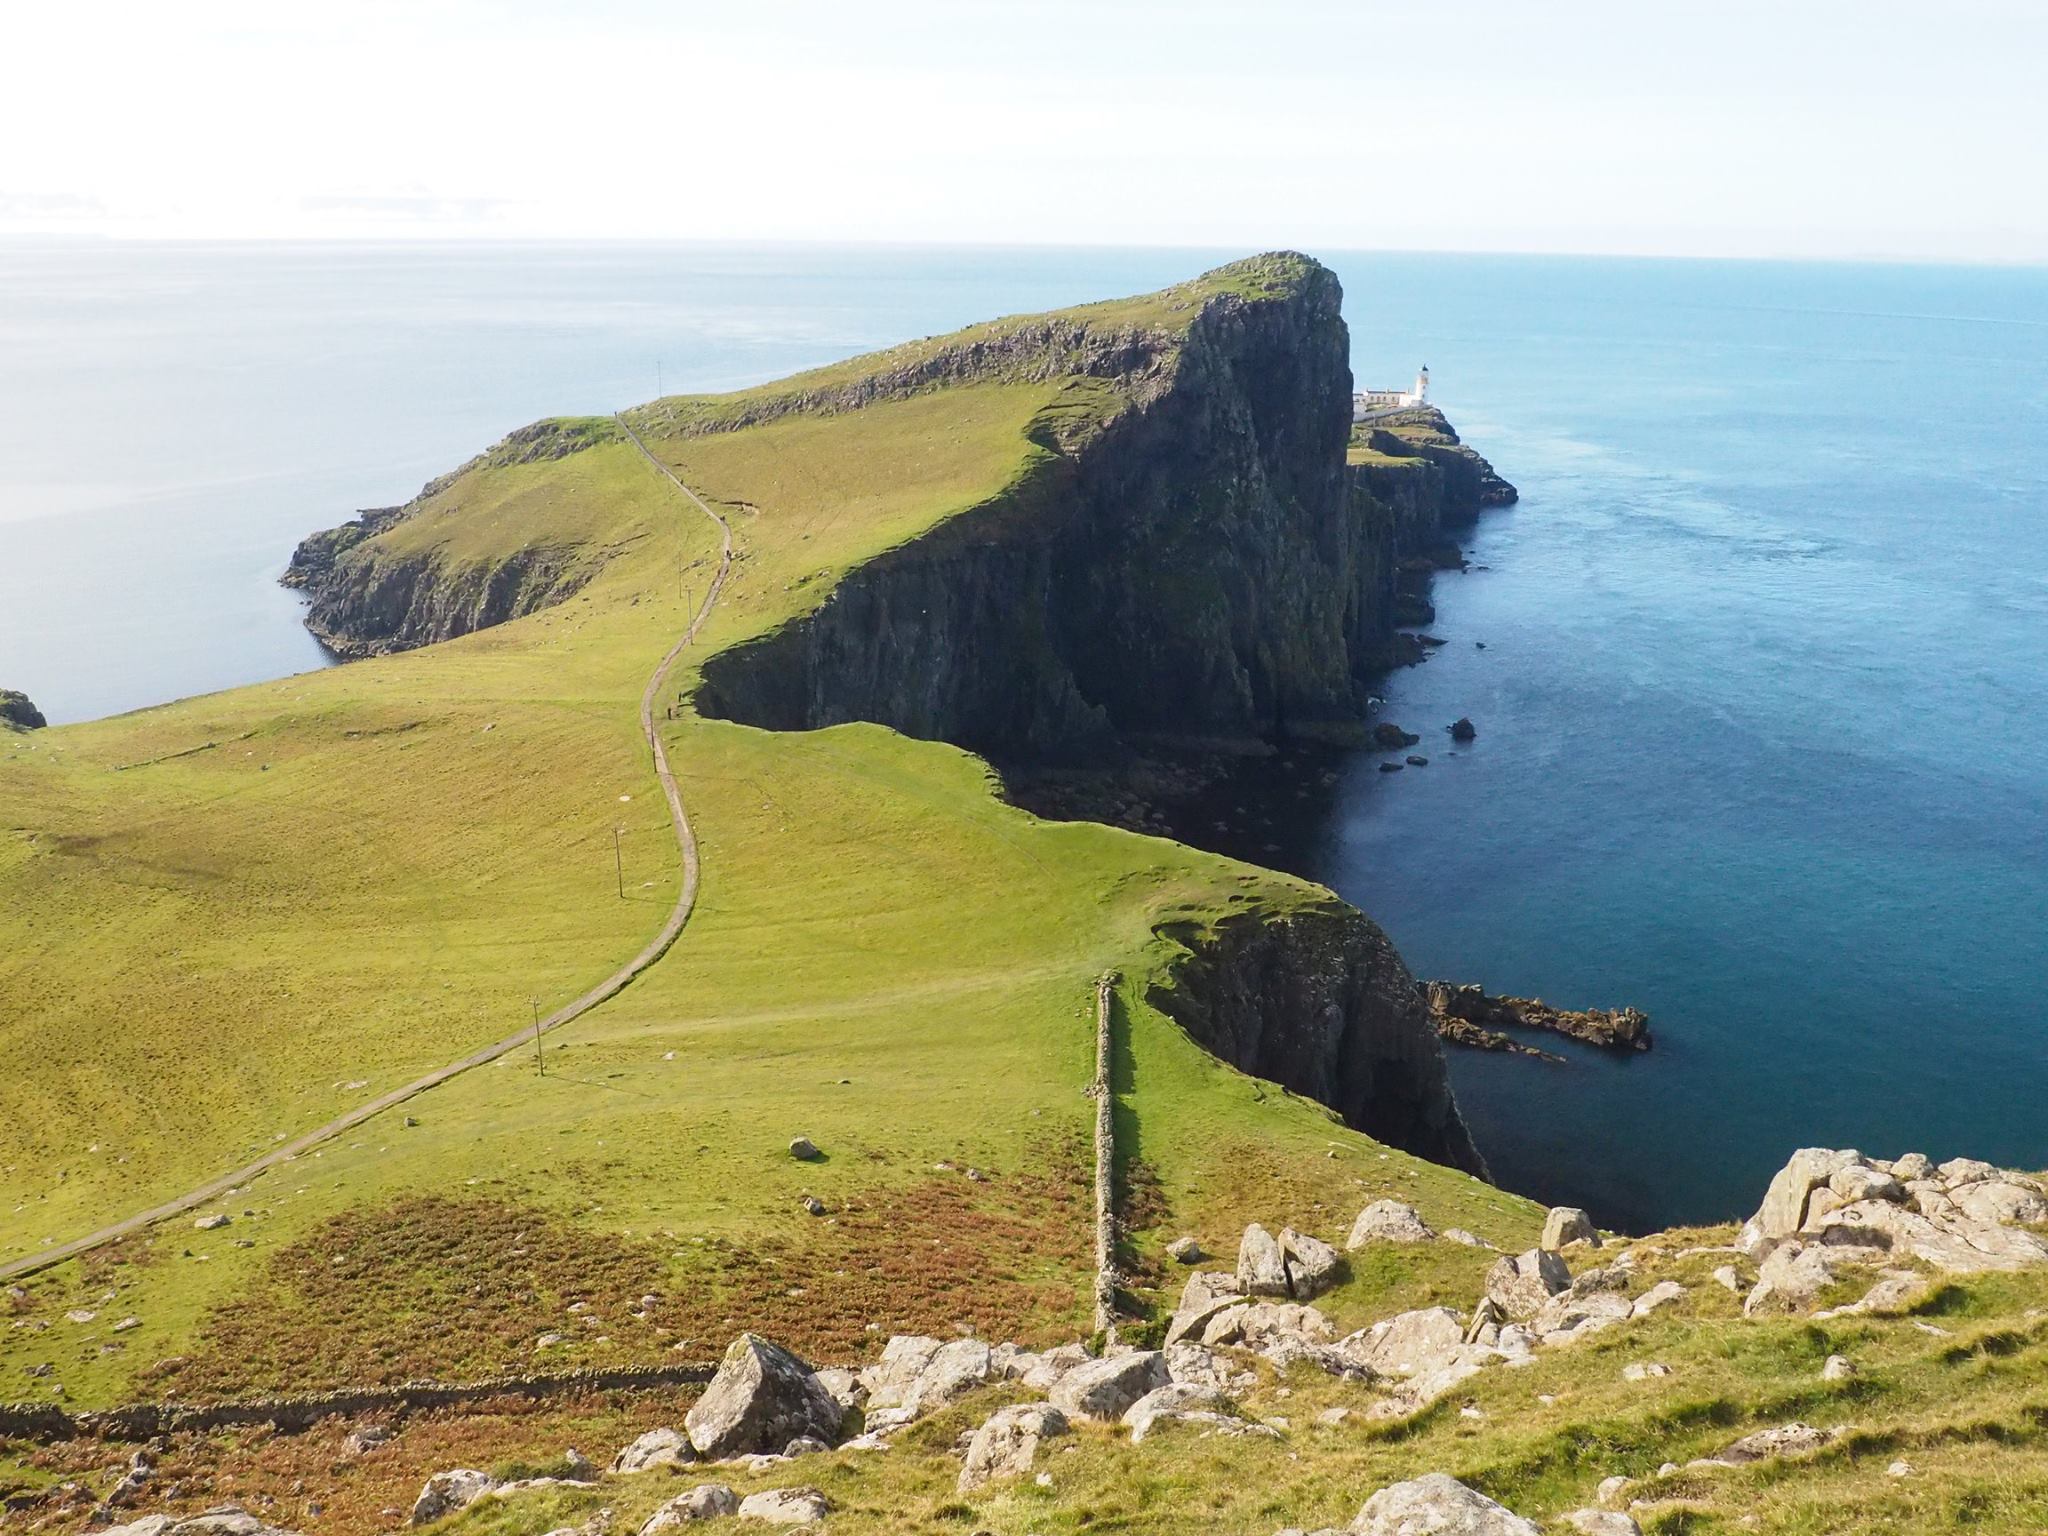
point(1568, 1224)
point(1784, 1209)
point(1185, 1250)
point(762, 1398)
point(1409, 1344)
point(706, 1501)
point(1520, 1285)
point(1103, 1389)
point(1388, 1221)
point(1205, 1295)
point(1174, 1400)
point(786, 1506)
point(1261, 1264)
point(1312, 1264)
point(1838, 1368)
point(1662, 1294)
point(1601, 1522)
point(1437, 1505)
point(656, 1448)
point(1007, 1443)
point(446, 1492)
point(804, 1150)
point(1770, 1445)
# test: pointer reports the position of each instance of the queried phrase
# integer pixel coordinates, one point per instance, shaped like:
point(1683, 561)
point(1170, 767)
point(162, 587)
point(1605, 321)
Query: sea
point(1758, 663)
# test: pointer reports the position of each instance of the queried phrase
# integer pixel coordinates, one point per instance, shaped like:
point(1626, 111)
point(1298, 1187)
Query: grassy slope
point(376, 902)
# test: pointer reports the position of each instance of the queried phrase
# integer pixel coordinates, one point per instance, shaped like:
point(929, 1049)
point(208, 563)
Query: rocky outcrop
point(369, 597)
point(1463, 1011)
point(1196, 566)
point(1318, 1001)
point(17, 712)
point(762, 1398)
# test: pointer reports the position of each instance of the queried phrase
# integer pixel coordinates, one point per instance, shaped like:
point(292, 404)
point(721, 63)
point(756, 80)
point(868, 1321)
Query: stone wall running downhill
point(46, 1423)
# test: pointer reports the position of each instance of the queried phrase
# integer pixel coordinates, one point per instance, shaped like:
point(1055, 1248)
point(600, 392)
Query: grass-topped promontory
point(226, 920)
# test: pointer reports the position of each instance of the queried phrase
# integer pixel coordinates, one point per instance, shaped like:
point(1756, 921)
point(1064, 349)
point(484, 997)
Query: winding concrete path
point(604, 991)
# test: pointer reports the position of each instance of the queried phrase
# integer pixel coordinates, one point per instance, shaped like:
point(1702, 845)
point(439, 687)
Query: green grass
point(372, 869)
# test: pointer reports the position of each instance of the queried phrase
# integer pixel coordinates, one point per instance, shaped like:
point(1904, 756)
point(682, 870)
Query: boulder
point(1409, 1344)
point(1567, 1224)
point(706, 1501)
point(1103, 1389)
point(1999, 1202)
point(1052, 1364)
point(365, 1438)
point(1185, 1250)
point(1792, 1276)
point(1388, 1221)
point(1601, 1522)
point(148, 1525)
point(656, 1448)
point(918, 1375)
point(446, 1492)
point(1662, 1294)
point(1312, 1264)
point(1860, 1181)
point(1784, 1209)
point(1520, 1286)
point(1914, 1165)
point(785, 1506)
point(1769, 1445)
point(804, 1150)
point(1437, 1505)
point(1462, 729)
point(1390, 737)
point(844, 1385)
point(225, 1520)
point(1175, 1400)
point(1572, 1315)
point(762, 1398)
point(1007, 1443)
point(1959, 1245)
point(1198, 1365)
point(1261, 1264)
point(1958, 1171)
point(1205, 1294)
point(1838, 1368)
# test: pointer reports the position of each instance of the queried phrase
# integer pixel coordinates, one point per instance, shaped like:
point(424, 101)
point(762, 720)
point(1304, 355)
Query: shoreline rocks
point(1457, 1008)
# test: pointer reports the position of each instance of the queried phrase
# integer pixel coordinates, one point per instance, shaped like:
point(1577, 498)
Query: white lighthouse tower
point(1419, 395)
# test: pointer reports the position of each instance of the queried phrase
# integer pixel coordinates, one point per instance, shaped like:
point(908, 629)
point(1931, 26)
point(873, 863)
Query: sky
point(1801, 128)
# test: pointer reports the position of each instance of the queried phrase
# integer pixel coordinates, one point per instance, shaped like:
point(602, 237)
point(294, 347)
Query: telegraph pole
point(539, 1060)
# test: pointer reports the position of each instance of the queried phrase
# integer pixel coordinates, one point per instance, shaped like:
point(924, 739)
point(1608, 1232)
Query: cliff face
point(1194, 568)
point(369, 596)
point(1319, 1002)
point(17, 712)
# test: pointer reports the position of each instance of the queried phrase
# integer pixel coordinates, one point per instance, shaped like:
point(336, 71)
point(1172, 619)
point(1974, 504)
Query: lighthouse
point(1420, 394)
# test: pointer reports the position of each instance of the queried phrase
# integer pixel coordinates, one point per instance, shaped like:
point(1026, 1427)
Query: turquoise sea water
point(1763, 746)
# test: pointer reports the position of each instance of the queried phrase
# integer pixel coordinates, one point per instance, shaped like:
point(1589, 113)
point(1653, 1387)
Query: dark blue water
point(1763, 707)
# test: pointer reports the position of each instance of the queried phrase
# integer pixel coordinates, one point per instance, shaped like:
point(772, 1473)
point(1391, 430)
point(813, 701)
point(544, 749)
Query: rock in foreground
point(762, 1398)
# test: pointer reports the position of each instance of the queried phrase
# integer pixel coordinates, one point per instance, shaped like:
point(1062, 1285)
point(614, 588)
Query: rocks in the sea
point(1462, 729)
point(1565, 1225)
point(1614, 1028)
point(1007, 1443)
point(18, 712)
point(1464, 1033)
point(1388, 1221)
point(446, 1492)
point(1437, 1504)
point(1417, 762)
point(1391, 767)
point(762, 1398)
point(1390, 737)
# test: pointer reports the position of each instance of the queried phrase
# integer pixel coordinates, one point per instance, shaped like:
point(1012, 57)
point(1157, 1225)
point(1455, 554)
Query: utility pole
point(657, 378)
point(539, 1060)
point(619, 859)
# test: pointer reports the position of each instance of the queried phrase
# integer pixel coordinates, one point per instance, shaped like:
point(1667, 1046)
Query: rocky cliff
point(1319, 1002)
point(371, 593)
point(1195, 566)
point(17, 712)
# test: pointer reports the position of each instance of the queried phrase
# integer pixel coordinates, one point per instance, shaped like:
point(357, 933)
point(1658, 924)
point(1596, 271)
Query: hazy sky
point(1792, 127)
